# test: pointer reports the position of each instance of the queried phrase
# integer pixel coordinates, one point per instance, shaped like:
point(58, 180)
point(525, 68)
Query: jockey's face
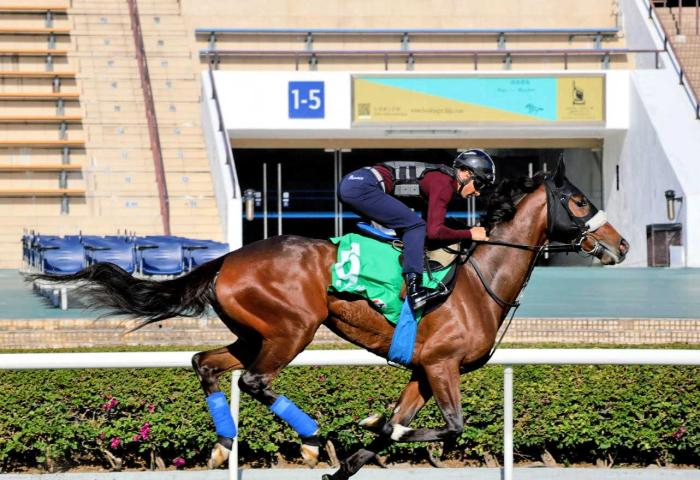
point(464, 177)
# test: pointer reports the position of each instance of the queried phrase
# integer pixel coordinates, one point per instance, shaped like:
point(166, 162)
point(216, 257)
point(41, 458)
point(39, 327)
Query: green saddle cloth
point(371, 269)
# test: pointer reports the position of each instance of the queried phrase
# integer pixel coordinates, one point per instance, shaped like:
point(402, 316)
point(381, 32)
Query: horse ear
point(559, 173)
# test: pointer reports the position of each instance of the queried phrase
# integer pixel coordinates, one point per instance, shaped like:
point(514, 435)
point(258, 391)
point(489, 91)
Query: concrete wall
point(411, 13)
point(659, 152)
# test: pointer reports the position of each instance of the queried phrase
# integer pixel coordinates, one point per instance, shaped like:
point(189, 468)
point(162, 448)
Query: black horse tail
point(107, 286)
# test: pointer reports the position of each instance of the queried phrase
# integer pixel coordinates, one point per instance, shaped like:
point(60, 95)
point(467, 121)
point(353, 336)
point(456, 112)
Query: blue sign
point(306, 100)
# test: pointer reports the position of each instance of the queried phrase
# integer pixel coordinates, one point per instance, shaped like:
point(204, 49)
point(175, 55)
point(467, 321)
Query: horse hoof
point(310, 455)
point(219, 455)
point(326, 477)
point(372, 422)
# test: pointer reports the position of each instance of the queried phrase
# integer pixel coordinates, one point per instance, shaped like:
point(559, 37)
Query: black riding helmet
point(479, 163)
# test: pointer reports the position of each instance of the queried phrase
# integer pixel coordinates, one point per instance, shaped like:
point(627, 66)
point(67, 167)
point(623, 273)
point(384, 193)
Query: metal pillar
point(279, 199)
point(264, 201)
point(508, 423)
point(235, 403)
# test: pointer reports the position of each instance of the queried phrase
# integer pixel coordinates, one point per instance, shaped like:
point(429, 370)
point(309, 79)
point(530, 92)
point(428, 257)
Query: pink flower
point(151, 408)
point(679, 433)
point(321, 378)
point(179, 462)
point(113, 402)
point(101, 436)
point(145, 431)
point(136, 437)
point(115, 442)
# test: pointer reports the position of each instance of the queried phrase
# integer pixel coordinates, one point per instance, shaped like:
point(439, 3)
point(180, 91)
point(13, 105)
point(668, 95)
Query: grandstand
point(159, 134)
point(109, 120)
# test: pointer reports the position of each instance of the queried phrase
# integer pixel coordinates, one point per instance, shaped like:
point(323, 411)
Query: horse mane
point(501, 200)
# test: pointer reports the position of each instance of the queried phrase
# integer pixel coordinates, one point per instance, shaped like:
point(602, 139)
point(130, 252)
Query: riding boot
point(417, 294)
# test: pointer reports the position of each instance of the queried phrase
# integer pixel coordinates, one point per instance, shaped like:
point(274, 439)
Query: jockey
point(374, 192)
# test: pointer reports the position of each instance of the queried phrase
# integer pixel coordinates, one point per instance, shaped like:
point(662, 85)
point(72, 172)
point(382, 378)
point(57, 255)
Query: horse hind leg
point(256, 382)
point(209, 366)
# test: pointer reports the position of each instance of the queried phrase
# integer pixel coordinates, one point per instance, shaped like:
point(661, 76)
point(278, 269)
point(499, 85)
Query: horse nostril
point(624, 246)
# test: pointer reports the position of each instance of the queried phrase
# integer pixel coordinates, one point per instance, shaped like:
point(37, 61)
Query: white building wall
point(650, 134)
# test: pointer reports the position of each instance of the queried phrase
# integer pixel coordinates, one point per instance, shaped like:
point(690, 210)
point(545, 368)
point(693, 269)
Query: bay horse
point(273, 295)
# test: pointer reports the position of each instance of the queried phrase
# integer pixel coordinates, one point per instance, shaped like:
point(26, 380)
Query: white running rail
point(509, 358)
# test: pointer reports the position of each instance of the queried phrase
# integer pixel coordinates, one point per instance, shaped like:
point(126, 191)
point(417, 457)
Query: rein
point(512, 307)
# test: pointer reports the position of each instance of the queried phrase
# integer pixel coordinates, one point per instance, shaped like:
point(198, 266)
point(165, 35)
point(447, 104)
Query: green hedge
point(58, 419)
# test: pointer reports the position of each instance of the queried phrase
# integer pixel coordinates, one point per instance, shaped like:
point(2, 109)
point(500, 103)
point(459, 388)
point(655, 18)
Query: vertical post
point(340, 205)
point(336, 204)
point(235, 404)
point(508, 423)
point(64, 298)
point(472, 211)
point(279, 199)
point(264, 200)
point(544, 169)
point(404, 41)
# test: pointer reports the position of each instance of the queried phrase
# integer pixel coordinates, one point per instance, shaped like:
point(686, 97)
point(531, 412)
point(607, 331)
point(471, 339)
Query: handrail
point(506, 357)
point(570, 51)
point(406, 33)
point(224, 134)
point(150, 116)
point(675, 62)
point(399, 31)
point(410, 55)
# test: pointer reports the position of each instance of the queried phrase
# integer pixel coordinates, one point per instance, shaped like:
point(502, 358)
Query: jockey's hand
point(479, 234)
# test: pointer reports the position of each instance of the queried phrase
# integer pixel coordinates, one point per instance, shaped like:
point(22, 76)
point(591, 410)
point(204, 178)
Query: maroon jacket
point(437, 189)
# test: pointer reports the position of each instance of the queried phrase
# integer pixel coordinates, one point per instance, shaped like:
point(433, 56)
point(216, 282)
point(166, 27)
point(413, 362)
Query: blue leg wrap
point(221, 414)
point(284, 408)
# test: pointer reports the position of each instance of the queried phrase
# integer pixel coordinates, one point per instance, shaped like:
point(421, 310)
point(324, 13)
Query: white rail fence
point(508, 358)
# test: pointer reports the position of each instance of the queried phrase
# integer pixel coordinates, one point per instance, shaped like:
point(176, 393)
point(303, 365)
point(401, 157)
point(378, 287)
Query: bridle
point(569, 230)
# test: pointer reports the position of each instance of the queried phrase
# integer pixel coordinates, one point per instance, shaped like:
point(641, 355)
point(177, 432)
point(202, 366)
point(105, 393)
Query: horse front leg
point(444, 382)
point(412, 399)
point(209, 366)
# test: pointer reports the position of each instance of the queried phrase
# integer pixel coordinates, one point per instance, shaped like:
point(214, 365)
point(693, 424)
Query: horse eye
point(581, 203)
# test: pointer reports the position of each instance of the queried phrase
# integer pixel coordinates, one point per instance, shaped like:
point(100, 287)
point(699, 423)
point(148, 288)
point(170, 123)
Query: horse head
point(573, 218)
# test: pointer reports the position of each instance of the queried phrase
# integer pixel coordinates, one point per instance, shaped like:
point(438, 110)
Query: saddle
point(369, 265)
point(437, 259)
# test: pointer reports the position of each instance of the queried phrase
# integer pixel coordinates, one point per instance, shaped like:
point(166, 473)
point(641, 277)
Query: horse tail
point(107, 286)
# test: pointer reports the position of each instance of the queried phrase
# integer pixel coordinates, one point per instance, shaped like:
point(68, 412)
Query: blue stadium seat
point(61, 256)
point(199, 252)
point(116, 250)
point(150, 255)
point(159, 255)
